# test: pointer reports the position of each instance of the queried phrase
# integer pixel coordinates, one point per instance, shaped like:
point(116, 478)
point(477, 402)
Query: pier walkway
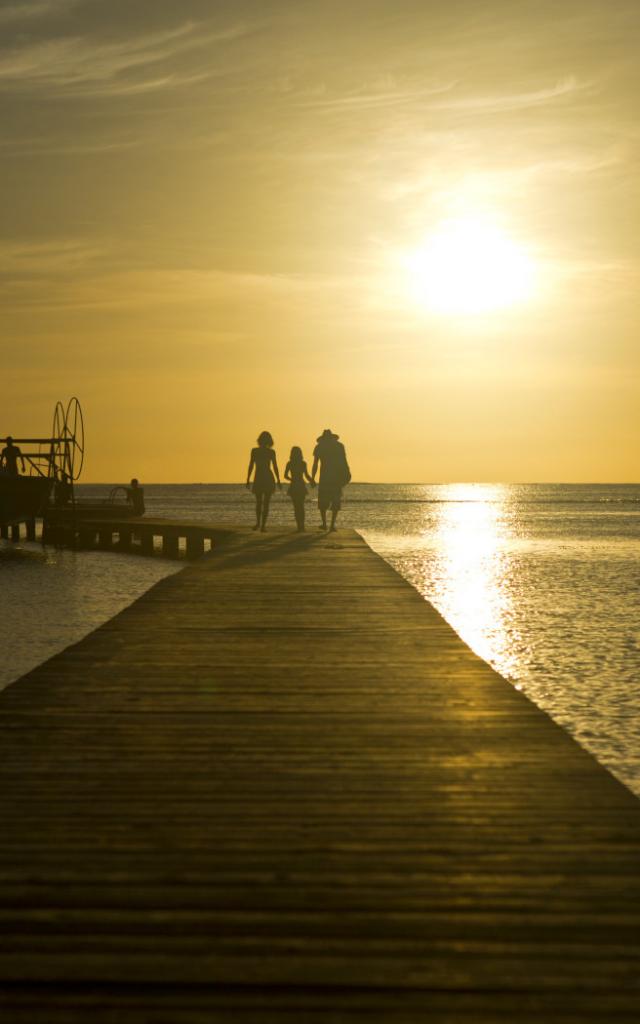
point(279, 788)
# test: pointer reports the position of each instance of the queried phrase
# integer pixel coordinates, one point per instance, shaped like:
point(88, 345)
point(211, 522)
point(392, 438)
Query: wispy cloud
point(80, 64)
point(498, 104)
point(440, 184)
point(375, 98)
point(78, 275)
point(30, 11)
point(41, 146)
point(38, 259)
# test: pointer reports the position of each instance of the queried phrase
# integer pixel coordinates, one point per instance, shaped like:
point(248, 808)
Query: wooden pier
point(172, 538)
point(16, 528)
point(279, 788)
point(135, 536)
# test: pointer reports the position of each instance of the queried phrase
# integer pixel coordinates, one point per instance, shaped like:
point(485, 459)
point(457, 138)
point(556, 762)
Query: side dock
point(279, 788)
point(148, 535)
point(136, 536)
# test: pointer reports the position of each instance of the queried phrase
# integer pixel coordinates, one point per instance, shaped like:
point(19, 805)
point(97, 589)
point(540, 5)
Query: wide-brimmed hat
point(326, 434)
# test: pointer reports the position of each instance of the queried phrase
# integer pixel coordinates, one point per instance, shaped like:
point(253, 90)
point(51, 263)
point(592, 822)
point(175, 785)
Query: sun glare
point(469, 266)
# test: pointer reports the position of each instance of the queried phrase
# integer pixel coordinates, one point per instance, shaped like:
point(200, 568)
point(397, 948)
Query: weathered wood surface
point(278, 787)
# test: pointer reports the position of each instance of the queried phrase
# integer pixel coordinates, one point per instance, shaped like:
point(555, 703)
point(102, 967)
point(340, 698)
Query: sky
point(412, 222)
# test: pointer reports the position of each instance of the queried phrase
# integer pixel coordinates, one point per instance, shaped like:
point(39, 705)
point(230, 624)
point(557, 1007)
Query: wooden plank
point(279, 787)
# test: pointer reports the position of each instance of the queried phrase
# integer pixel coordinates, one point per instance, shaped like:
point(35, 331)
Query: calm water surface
point(50, 599)
point(543, 581)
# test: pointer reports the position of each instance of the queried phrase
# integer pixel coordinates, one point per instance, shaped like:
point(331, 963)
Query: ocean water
point(541, 580)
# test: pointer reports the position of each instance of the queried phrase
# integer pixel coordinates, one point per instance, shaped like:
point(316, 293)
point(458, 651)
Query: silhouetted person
point(135, 497)
point(9, 458)
point(334, 475)
point(296, 471)
point(263, 459)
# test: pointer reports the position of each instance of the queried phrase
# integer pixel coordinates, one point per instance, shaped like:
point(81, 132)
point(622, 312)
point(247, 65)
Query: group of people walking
point(329, 456)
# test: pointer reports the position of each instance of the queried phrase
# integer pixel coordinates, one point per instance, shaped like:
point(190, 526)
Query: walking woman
point(296, 471)
point(263, 459)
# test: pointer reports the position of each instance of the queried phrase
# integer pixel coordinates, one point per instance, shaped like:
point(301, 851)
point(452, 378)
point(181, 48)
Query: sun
point(469, 266)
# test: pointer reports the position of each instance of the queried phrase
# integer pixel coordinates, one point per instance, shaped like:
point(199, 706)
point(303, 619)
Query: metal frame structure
point(59, 457)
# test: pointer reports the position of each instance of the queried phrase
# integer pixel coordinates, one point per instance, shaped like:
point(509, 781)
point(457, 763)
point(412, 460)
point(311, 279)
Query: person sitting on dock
point(62, 489)
point(330, 454)
point(135, 497)
point(9, 458)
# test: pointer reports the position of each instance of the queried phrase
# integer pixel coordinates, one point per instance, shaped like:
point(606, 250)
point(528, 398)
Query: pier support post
point(4, 531)
point(170, 544)
point(124, 538)
point(87, 538)
point(31, 529)
point(146, 541)
point(15, 531)
point(105, 538)
point(195, 545)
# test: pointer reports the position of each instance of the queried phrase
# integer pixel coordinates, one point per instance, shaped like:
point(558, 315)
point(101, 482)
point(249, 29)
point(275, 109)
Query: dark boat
point(22, 497)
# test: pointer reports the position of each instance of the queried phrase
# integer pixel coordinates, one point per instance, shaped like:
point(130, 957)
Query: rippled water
point(544, 584)
point(50, 599)
point(543, 581)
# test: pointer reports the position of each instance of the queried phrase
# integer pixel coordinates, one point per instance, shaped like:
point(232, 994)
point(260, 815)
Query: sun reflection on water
point(469, 572)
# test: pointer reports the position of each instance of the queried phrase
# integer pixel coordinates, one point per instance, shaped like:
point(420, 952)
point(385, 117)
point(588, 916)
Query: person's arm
point(252, 462)
point(274, 463)
point(314, 468)
point(24, 470)
point(287, 471)
point(309, 479)
point(347, 471)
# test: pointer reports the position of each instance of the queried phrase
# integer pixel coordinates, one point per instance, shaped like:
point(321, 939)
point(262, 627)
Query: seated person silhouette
point(62, 489)
point(135, 497)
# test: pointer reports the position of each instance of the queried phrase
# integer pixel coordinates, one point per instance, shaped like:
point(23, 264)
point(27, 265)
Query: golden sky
point(225, 217)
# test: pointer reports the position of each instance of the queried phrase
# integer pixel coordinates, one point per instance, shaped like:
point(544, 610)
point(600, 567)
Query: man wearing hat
point(330, 454)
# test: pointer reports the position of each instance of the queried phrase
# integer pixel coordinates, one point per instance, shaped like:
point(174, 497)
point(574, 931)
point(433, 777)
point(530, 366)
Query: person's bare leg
point(258, 511)
point(323, 516)
point(334, 516)
point(299, 511)
point(265, 512)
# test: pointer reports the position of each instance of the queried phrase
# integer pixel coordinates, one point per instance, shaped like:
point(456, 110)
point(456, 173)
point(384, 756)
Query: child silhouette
point(296, 471)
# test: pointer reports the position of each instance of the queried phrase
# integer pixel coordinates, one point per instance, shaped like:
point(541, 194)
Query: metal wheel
point(57, 429)
point(56, 449)
point(74, 438)
point(66, 451)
